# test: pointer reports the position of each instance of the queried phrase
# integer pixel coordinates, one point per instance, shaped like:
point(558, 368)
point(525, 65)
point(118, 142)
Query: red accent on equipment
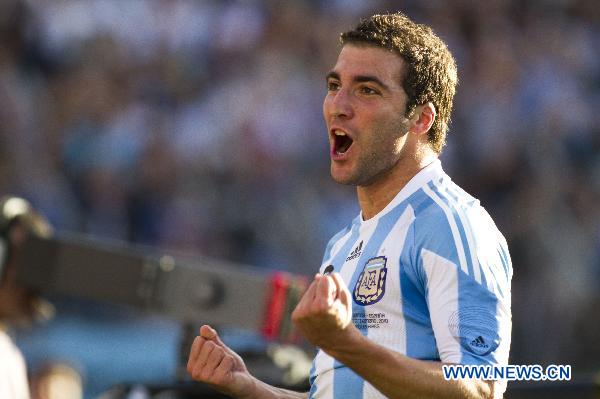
point(280, 283)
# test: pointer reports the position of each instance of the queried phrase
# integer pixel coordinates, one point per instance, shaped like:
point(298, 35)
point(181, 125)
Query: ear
point(423, 118)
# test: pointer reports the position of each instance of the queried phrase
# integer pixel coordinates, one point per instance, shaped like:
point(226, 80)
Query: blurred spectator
point(20, 307)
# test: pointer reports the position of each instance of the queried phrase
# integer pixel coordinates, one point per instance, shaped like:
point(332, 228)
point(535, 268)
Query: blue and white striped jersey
point(430, 278)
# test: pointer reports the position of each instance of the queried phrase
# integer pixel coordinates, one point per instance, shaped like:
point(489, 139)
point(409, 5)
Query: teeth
point(339, 133)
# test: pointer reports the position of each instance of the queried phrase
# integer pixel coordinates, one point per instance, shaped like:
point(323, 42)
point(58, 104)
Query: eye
point(332, 85)
point(368, 90)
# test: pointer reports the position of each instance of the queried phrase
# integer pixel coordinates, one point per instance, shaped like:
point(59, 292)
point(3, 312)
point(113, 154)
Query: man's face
point(364, 110)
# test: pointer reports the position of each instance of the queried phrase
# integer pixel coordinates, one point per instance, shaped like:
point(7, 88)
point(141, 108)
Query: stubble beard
point(384, 155)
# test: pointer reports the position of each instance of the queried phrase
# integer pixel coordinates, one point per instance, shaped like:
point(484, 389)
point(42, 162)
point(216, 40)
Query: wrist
point(258, 389)
point(250, 391)
point(344, 342)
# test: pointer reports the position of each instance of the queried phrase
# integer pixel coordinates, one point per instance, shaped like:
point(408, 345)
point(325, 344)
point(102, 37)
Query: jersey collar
point(424, 176)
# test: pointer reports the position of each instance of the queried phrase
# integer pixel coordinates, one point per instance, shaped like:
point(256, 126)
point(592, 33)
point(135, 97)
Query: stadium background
point(197, 126)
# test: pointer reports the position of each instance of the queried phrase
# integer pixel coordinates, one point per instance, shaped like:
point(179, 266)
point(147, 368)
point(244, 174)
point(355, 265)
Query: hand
point(214, 363)
point(324, 314)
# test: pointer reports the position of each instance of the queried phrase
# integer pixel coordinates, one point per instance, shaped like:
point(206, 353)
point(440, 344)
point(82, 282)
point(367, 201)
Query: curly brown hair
point(430, 75)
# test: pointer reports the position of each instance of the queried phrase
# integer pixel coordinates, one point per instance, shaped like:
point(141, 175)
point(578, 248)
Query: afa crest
point(370, 286)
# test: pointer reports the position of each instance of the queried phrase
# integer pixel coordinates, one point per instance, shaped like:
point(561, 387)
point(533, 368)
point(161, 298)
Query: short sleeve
point(466, 276)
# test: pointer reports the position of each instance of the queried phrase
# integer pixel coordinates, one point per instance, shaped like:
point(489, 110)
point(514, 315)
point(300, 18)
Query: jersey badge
point(370, 286)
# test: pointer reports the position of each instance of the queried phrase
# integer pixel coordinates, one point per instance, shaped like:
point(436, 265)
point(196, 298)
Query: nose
point(338, 104)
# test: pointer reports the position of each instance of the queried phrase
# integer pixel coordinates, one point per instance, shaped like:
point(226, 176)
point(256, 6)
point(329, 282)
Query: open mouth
point(342, 142)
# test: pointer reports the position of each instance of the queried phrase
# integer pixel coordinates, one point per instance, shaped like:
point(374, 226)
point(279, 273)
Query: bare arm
point(324, 315)
point(214, 363)
point(264, 390)
point(399, 376)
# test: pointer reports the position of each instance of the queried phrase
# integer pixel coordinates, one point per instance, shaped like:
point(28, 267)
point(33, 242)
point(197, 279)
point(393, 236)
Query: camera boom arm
point(203, 290)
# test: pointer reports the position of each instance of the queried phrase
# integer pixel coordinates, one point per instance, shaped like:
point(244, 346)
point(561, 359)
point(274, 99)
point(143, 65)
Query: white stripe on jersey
point(457, 241)
point(468, 233)
point(394, 337)
point(323, 361)
point(481, 223)
point(442, 276)
point(393, 298)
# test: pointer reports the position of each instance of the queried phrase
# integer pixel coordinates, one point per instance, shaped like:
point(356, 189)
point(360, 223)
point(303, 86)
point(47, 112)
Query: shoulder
point(452, 224)
point(446, 208)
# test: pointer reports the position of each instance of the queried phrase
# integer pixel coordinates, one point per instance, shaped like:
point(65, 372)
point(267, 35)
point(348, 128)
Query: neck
point(374, 197)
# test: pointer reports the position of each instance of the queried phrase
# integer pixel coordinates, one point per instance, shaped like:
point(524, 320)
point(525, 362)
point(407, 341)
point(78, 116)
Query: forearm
point(262, 390)
point(399, 376)
point(214, 363)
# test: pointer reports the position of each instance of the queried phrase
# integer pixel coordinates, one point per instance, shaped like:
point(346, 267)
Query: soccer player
point(422, 276)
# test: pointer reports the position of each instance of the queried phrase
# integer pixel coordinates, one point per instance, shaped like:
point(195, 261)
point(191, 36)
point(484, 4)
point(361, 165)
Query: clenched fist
point(324, 314)
point(214, 363)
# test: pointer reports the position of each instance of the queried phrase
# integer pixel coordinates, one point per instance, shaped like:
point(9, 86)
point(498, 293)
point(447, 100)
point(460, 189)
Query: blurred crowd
point(197, 126)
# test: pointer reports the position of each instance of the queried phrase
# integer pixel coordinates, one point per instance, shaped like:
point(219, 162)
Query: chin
point(340, 180)
point(339, 176)
point(347, 180)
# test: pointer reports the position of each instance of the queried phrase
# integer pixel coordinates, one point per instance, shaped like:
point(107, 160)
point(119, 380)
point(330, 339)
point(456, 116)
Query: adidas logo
point(355, 252)
point(479, 342)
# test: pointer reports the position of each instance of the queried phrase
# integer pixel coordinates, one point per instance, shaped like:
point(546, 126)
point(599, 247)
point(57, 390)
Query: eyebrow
point(359, 79)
